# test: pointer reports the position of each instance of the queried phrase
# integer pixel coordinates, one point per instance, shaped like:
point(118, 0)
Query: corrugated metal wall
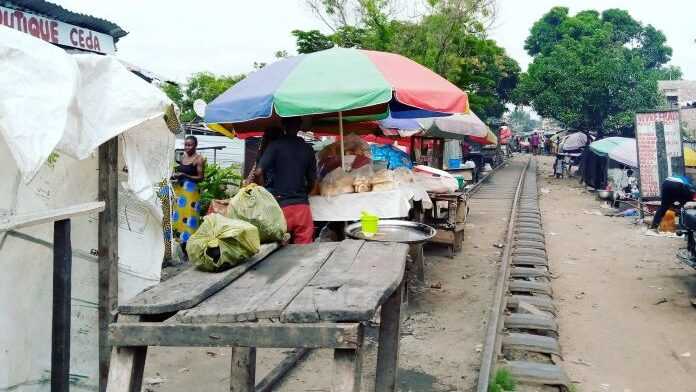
point(232, 154)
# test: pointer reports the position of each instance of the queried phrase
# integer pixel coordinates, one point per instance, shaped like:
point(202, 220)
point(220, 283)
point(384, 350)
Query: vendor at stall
point(674, 189)
point(187, 175)
point(269, 135)
point(288, 170)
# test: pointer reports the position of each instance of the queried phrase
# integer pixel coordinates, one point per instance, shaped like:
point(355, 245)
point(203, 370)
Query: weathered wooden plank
point(330, 276)
point(243, 369)
point(340, 262)
point(277, 373)
point(388, 350)
point(285, 290)
point(107, 192)
point(534, 343)
point(326, 335)
point(189, 288)
point(347, 370)
point(375, 274)
point(127, 365)
point(265, 290)
point(16, 222)
point(538, 373)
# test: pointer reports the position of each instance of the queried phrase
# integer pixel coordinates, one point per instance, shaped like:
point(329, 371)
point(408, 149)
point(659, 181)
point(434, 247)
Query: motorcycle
point(687, 227)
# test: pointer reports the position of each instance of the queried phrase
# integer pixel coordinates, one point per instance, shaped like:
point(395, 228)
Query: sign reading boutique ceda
point(57, 32)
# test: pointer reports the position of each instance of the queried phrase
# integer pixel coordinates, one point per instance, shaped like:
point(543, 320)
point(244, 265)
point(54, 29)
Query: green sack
point(256, 205)
point(221, 243)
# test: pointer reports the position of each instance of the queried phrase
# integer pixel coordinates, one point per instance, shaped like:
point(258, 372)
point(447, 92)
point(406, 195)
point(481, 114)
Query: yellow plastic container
point(370, 224)
point(669, 222)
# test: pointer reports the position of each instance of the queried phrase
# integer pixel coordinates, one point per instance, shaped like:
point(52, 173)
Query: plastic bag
point(354, 147)
point(668, 224)
point(403, 176)
point(256, 205)
point(382, 181)
point(435, 180)
point(337, 183)
point(221, 243)
point(394, 157)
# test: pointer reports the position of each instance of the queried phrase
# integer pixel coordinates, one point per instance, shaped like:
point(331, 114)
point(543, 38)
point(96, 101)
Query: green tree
point(449, 39)
point(521, 121)
point(311, 41)
point(593, 71)
point(201, 85)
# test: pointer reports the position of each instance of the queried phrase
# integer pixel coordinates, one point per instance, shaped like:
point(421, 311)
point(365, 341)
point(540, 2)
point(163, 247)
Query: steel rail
point(492, 343)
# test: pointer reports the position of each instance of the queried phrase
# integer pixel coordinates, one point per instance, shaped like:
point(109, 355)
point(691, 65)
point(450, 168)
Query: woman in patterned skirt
point(186, 213)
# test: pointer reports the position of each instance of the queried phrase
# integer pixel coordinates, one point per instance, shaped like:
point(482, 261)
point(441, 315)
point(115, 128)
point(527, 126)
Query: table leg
point(243, 369)
point(127, 365)
point(416, 251)
point(60, 333)
point(388, 349)
point(347, 370)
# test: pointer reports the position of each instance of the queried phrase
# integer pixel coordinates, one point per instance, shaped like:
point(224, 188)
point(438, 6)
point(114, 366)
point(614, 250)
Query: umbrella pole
point(340, 131)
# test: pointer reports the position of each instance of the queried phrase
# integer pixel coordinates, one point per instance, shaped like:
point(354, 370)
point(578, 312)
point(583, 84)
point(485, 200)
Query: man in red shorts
point(288, 170)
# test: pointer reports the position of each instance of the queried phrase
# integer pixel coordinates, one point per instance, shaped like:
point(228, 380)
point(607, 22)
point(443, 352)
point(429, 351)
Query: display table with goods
point(305, 297)
point(395, 203)
point(373, 179)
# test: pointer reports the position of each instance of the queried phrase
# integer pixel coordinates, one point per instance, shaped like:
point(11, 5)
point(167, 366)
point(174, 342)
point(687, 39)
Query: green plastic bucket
point(369, 224)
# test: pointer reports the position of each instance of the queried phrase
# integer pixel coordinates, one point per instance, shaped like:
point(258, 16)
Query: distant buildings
point(681, 94)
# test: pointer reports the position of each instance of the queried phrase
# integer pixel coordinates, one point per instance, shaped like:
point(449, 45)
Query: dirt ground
point(626, 323)
point(442, 332)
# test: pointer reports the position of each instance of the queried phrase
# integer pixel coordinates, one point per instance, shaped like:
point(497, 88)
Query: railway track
point(522, 332)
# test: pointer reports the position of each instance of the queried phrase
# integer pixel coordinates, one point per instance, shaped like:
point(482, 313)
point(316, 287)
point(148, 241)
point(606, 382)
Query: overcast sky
point(175, 38)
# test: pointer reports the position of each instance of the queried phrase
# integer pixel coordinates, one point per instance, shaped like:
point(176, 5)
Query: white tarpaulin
point(386, 205)
point(64, 106)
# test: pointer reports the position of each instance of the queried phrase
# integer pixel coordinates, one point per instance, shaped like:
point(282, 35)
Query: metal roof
point(44, 8)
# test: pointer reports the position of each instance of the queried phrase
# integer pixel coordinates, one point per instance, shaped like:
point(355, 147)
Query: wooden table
point(313, 296)
point(450, 228)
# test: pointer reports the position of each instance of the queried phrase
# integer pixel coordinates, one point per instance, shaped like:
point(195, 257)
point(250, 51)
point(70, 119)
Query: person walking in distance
point(534, 143)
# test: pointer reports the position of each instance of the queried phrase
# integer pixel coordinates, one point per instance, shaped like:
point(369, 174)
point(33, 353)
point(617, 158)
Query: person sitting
point(674, 189)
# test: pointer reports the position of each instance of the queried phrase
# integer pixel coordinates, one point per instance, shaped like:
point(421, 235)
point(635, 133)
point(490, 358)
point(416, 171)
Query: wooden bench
point(313, 296)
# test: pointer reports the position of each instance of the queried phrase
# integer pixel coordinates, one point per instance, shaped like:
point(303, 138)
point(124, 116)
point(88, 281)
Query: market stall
point(337, 91)
point(612, 164)
point(439, 140)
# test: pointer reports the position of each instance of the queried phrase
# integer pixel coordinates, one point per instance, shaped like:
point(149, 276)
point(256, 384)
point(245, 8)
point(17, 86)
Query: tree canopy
point(202, 85)
point(593, 71)
point(449, 38)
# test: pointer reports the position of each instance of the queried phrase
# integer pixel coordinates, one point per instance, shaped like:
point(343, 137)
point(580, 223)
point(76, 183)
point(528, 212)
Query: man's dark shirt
point(289, 168)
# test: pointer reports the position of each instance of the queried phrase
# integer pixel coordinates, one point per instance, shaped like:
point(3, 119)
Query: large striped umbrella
point(619, 149)
point(457, 126)
point(350, 83)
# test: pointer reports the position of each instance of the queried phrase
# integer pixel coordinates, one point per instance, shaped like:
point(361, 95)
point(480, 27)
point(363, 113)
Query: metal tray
point(394, 231)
